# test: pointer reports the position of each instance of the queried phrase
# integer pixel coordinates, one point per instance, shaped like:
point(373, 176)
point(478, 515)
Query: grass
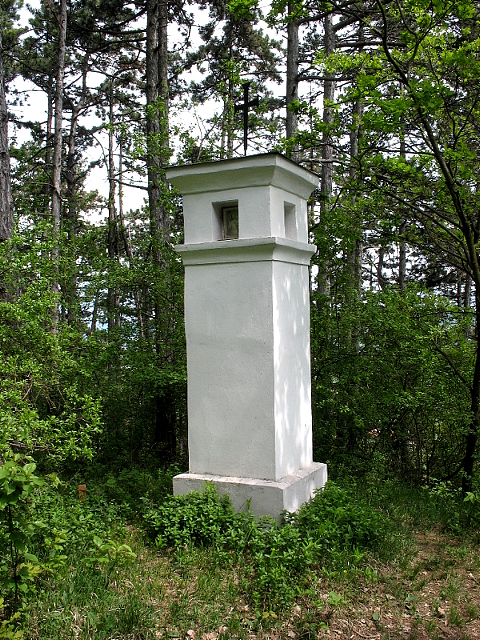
point(230, 578)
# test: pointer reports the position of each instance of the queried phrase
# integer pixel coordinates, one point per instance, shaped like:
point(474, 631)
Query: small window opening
point(290, 221)
point(230, 223)
point(225, 220)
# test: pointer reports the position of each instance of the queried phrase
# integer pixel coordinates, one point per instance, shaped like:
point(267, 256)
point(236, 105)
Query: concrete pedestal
point(247, 321)
point(262, 497)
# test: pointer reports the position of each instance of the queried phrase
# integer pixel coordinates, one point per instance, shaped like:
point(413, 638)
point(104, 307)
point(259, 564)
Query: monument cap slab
point(270, 169)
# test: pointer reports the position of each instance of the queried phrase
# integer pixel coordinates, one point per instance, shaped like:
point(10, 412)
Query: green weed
point(332, 531)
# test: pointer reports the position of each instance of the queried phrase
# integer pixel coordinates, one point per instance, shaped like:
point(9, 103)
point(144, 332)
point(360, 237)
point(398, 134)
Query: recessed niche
point(225, 223)
point(290, 221)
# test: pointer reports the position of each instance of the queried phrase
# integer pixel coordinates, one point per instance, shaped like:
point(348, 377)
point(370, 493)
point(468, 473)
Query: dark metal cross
point(244, 107)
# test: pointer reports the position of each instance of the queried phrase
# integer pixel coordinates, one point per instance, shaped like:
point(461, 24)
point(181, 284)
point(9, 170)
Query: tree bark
point(402, 249)
point(6, 201)
point(157, 158)
point(49, 145)
point(328, 96)
point(157, 117)
point(355, 256)
point(327, 149)
point(467, 294)
point(127, 240)
point(57, 155)
point(112, 236)
point(292, 82)
point(380, 278)
point(70, 213)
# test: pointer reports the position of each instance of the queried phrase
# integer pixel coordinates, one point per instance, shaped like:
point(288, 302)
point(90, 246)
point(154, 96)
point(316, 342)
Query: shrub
point(336, 520)
point(329, 530)
point(200, 518)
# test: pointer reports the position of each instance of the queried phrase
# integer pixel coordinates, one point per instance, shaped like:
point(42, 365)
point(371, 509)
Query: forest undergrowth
point(365, 559)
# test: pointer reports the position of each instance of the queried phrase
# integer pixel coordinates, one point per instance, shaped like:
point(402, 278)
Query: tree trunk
point(292, 82)
point(112, 236)
point(49, 146)
point(230, 114)
point(472, 435)
point(467, 294)
point(328, 97)
point(57, 154)
point(355, 255)
point(402, 258)
point(127, 240)
point(6, 201)
point(70, 213)
point(223, 138)
point(402, 249)
point(380, 278)
point(157, 158)
point(157, 118)
point(327, 149)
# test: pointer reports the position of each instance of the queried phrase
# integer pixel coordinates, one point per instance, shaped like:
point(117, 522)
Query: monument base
point(263, 497)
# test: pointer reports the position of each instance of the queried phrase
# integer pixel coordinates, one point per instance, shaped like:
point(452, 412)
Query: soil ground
point(434, 593)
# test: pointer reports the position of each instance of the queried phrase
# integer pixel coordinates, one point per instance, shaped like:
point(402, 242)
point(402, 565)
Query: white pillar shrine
point(247, 320)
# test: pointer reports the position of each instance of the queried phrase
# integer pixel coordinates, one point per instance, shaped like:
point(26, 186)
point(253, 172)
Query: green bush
point(135, 490)
point(461, 513)
point(200, 518)
point(330, 531)
point(337, 520)
point(18, 566)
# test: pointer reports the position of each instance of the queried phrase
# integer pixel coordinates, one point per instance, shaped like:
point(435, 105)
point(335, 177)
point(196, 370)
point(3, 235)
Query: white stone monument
point(247, 320)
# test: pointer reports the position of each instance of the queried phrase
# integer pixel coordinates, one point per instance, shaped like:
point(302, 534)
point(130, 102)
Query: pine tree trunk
point(57, 155)
point(127, 240)
point(49, 145)
point(112, 236)
point(157, 158)
point(70, 213)
point(380, 277)
point(157, 118)
point(327, 149)
point(402, 258)
point(6, 201)
point(292, 81)
point(355, 255)
point(230, 113)
point(328, 96)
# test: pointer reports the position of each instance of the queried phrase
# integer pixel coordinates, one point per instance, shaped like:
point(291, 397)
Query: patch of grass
point(472, 611)
point(452, 589)
point(418, 586)
point(439, 505)
point(80, 604)
point(455, 618)
point(430, 627)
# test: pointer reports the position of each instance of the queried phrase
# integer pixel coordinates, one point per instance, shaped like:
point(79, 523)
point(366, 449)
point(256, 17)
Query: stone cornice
point(247, 250)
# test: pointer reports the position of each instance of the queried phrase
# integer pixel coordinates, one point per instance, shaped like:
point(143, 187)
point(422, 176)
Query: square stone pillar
point(247, 320)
